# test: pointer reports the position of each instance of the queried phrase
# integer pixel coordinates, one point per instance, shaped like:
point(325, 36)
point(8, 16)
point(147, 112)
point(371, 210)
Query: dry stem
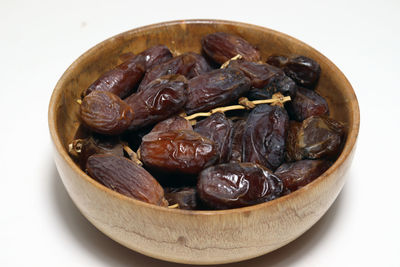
point(277, 99)
point(132, 155)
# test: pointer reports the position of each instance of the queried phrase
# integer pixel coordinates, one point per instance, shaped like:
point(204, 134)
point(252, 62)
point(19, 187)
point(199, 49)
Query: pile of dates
point(138, 137)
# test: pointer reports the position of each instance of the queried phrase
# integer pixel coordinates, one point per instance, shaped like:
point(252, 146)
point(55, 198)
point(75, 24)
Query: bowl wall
point(198, 237)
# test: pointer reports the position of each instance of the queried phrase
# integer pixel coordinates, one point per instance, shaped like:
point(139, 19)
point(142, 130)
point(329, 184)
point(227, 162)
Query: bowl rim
point(347, 148)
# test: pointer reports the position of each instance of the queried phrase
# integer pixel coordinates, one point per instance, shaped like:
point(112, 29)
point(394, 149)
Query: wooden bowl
point(197, 237)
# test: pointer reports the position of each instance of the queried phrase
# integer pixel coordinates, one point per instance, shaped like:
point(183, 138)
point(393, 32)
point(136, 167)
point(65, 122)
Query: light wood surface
point(197, 237)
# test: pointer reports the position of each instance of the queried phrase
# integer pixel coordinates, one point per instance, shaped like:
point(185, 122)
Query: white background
point(40, 226)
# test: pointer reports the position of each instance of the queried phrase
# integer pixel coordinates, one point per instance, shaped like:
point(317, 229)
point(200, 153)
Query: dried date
point(179, 151)
point(297, 174)
point(264, 136)
point(237, 141)
point(155, 55)
point(307, 103)
point(125, 177)
point(185, 197)
point(120, 80)
point(303, 70)
point(235, 185)
point(188, 64)
point(315, 138)
point(161, 99)
point(105, 113)
point(266, 79)
point(171, 124)
point(218, 129)
point(82, 149)
point(221, 47)
point(214, 89)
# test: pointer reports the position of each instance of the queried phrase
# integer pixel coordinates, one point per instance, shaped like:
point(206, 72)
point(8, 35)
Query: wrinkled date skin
point(182, 151)
point(221, 47)
point(307, 103)
point(266, 79)
point(264, 136)
point(303, 70)
point(82, 149)
point(218, 129)
point(237, 141)
point(125, 177)
point(297, 174)
point(161, 98)
point(315, 138)
point(279, 83)
point(215, 89)
point(235, 185)
point(185, 197)
point(121, 80)
point(105, 113)
point(171, 124)
point(188, 64)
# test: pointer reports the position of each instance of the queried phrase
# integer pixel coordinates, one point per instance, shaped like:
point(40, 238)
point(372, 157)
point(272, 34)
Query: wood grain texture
point(197, 237)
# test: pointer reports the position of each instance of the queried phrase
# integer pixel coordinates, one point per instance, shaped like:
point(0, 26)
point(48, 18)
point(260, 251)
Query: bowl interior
point(184, 36)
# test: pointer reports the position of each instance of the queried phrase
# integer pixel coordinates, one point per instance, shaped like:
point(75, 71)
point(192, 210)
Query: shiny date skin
point(303, 70)
point(185, 197)
point(307, 103)
point(266, 79)
point(120, 80)
point(315, 138)
point(215, 89)
point(179, 151)
point(237, 141)
point(264, 136)
point(221, 47)
point(218, 129)
point(105, 113)
point(295, 175)
point(155, 55)
point(125, 177)
point(235, 185)
point(188, 64)
point(171, 124)
point(161, 99)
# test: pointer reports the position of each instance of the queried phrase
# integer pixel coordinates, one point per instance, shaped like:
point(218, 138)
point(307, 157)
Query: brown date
point(161, 98)
point(125, 177)
point(185, 197)
point(218, 129)
point(179, 151)
point(303, 70)
point(315, 138)
point(82, 149)
point(214, 89)
point(295, 175)
point(221, 47)
point(155, 55)
point(235, 185)
point(105, 113)
point(237, 141)
point(188, 64)
point(120, 80)
point(171, 124)
point(266, 79)
point(307, 103)
point(264, 136)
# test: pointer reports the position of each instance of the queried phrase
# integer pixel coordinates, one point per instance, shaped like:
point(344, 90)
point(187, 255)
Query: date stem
point(174, 206)
point(226, 63)
point(132, 155)
point(244, 103)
